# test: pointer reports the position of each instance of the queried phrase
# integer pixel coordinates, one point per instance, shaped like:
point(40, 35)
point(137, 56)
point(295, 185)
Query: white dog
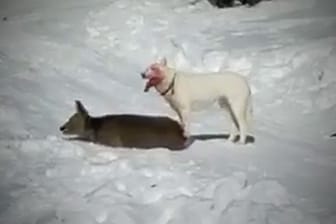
point(181, 90)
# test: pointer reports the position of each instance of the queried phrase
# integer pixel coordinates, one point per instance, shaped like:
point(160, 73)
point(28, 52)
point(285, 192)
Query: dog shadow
point(209, 137)
point(150, 132)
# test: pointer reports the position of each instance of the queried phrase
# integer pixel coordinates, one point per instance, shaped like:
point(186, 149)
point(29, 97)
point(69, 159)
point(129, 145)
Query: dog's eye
point(155, 69)
point(152, 67)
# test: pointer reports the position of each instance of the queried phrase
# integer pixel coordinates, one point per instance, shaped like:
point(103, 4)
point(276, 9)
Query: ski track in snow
point(53, 53)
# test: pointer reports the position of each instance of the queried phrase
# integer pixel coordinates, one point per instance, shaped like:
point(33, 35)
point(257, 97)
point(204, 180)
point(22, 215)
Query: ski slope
point(55, 52)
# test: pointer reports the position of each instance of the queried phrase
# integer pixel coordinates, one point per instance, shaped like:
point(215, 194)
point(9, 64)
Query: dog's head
point(155, 74)
point(75, 125)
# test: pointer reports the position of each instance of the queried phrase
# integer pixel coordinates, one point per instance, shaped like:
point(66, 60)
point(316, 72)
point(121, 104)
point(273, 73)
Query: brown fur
point(125, 130)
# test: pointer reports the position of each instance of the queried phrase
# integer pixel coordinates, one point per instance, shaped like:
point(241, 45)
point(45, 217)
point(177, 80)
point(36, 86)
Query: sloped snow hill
point(54, 52)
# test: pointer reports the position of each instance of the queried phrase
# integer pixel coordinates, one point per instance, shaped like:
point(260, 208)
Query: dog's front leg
point(184, 114)
point(182, 110)
point(173, 106)
point(180, 117)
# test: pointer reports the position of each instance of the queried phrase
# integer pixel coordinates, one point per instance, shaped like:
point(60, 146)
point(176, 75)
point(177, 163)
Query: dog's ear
point(163, 61)
point(80, 108)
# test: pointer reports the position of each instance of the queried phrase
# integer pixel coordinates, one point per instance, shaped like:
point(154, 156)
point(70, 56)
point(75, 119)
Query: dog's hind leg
point(249, 113)
point(224, 104)
point(239, 110)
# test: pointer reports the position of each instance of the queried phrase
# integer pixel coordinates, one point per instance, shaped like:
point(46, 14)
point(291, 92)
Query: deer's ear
point(163, 61)
point(80, 108)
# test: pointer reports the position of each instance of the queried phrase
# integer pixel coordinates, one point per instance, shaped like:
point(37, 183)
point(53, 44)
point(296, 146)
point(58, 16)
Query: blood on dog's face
point(154, 73)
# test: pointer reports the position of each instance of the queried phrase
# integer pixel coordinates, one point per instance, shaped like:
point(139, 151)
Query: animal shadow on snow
point(207, 137)
point(130, 130)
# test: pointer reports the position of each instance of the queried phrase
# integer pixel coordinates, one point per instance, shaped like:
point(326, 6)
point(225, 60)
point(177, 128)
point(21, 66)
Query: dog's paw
point(236, 142)
point(187, 142)
point(245, 144)
point(186, 133)
point(232, 138)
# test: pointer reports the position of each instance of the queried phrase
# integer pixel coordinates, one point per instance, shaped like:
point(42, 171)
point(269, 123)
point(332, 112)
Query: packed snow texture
point(55, 52)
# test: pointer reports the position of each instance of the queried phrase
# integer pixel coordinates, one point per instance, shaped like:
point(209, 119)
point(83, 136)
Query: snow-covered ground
point(54, 52)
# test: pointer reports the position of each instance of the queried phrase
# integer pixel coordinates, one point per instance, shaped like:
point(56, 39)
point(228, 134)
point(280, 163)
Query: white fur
point(229, 89)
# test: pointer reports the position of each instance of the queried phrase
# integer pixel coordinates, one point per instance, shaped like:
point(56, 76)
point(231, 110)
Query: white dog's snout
point(143, 75)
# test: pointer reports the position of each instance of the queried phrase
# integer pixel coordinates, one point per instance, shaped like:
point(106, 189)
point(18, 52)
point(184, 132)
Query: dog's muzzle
point(143, 75)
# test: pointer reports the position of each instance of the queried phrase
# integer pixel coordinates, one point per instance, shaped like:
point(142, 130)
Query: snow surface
point(53, 52)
